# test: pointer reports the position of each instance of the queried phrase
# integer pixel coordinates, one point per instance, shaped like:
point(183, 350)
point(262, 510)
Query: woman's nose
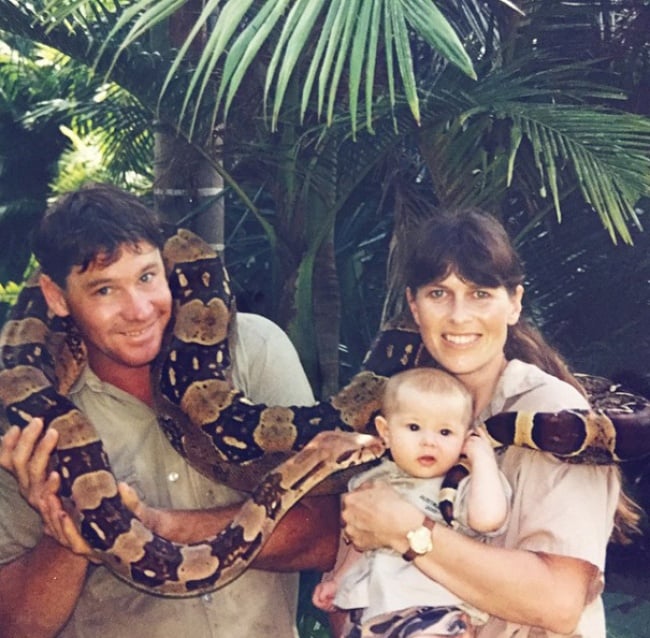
point(459, 309)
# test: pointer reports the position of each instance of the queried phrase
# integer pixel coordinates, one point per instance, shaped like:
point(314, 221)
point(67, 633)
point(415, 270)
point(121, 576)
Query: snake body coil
point(270, 451)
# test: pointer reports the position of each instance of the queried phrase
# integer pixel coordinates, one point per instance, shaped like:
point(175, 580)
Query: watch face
point(420, 540)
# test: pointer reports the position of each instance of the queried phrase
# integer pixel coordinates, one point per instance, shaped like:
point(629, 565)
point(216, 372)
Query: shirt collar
point(517, 378)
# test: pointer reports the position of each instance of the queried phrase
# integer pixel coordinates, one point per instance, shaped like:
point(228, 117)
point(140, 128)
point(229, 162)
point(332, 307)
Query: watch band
point(410, 554)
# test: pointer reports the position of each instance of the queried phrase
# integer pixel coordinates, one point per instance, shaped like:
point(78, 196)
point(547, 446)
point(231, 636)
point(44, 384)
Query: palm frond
point(609, 155)
point(349, 35)
point(488, 133)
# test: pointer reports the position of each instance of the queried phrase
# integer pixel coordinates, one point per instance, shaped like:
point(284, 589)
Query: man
point(99, 250)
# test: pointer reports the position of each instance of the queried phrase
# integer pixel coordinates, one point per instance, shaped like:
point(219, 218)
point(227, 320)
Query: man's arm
point(306, 538)
point(39, 590)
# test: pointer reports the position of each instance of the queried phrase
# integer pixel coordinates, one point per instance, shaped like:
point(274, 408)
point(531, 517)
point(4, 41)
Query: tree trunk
point(187, 187)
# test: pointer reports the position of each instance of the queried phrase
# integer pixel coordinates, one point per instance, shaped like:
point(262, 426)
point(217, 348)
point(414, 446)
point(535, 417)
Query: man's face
point(121, 308)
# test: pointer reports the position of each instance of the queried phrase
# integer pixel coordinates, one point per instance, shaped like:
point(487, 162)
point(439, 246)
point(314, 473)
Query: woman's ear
point(382, 429)
point(54, 296)
point(410, 299)
point(515, 300)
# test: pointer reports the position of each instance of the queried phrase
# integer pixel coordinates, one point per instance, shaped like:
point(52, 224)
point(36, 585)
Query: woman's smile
point(461, 339)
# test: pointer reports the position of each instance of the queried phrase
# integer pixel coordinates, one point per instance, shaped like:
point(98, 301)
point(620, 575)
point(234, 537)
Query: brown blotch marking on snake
point(276, 431)
point(201, 323)
point(208, 399)
point(74, 430)
point(21, 383)
point(130, 547)
point(360, 399)
point(89, 490)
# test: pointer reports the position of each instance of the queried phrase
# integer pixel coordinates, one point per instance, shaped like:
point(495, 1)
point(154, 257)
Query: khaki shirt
point(557, 507)
point(259, 603)
point(370, 582)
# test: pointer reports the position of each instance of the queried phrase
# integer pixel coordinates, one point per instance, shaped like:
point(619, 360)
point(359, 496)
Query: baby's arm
point(487, 501)
point(325, 591)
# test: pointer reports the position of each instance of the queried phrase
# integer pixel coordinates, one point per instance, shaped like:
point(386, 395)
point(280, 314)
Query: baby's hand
point(477, 446)
point(323, 596)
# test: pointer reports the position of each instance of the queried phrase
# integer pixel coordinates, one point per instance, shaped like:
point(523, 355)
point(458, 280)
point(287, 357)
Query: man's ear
point(54, 296)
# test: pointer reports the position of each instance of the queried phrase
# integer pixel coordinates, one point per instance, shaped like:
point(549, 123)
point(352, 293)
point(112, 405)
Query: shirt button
point(207, 598)
point(172, 477)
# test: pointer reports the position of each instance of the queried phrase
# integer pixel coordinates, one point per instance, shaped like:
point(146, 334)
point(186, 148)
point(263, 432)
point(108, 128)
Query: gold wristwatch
point(420, 540)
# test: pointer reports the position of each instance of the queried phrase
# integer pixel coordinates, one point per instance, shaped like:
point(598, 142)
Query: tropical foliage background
point(307, 137)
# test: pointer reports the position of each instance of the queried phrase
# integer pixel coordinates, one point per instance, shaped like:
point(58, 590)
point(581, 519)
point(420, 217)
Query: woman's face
point(464, 326)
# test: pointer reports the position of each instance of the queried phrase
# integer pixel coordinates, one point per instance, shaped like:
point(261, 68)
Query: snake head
point(345, 449)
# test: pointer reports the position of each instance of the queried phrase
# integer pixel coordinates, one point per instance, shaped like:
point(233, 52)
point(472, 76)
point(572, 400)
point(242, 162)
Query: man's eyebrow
point(97, 282)
point(105, 281)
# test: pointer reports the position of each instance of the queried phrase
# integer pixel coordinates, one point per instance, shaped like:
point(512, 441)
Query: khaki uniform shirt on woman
point(259, 603)
point(557, 508)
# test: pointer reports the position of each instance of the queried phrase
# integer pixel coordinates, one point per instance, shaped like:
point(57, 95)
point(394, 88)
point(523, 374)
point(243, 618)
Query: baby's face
point(425, 432)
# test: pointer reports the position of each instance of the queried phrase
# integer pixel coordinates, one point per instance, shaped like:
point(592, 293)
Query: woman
point(544, 576)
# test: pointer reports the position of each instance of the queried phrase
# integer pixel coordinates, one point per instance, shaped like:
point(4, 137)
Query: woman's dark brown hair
point(474, 246)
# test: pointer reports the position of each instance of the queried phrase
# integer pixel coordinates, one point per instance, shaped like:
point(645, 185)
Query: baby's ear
point(382, 429)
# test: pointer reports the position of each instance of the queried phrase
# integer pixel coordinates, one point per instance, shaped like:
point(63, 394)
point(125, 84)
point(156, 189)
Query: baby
point(426, 425)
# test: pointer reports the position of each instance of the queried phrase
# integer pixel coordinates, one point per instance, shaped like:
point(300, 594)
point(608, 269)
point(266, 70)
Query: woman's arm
point(518, 585)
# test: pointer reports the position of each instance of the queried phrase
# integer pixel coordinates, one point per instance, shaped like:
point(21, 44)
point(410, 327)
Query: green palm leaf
point(347, 33)
point(515, 124)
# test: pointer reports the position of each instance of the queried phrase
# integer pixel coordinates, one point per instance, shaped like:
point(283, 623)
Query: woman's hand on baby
point(375, 515)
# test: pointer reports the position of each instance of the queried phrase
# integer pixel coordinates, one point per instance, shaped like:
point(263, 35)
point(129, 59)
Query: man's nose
point(136, 305)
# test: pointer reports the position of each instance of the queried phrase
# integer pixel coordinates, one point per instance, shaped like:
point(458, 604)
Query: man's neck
point(139, 385)
point(134, 381)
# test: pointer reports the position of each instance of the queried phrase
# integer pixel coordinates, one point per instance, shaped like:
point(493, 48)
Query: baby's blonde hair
point(429, 381)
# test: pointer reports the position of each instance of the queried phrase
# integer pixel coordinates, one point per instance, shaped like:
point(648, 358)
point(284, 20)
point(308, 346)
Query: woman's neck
point(482, 384)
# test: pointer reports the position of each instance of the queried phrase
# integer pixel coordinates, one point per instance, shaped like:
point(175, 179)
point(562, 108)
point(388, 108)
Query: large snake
point(269, 450)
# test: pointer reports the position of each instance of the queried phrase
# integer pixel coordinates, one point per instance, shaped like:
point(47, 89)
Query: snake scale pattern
point(276, 453)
